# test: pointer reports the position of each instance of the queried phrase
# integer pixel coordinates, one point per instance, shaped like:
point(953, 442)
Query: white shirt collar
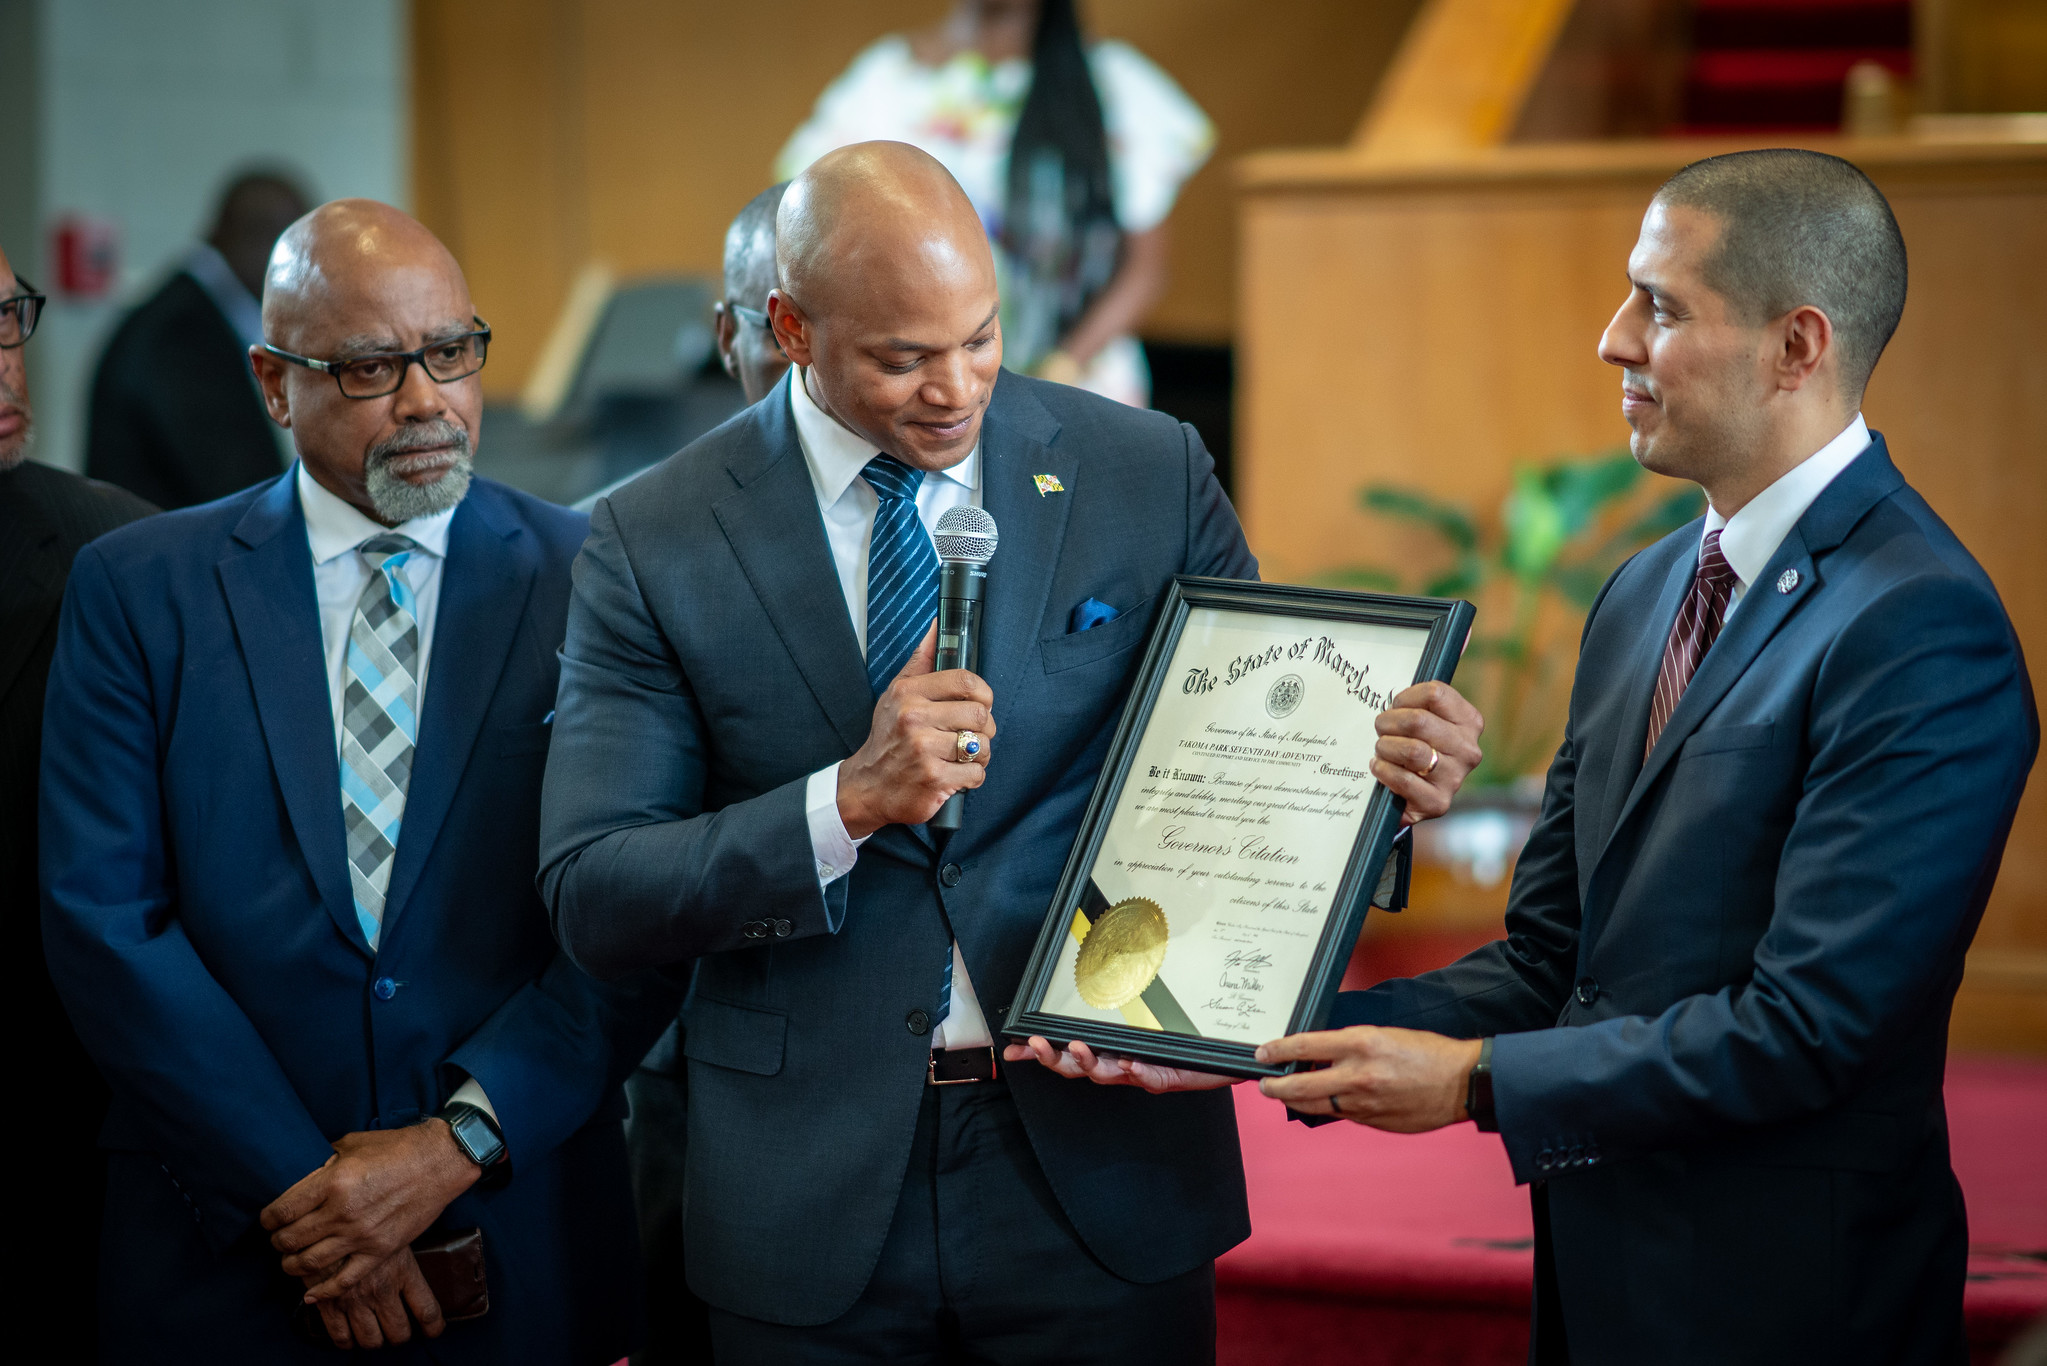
point(1750, 538)
point(836, 455)
point(336, 527)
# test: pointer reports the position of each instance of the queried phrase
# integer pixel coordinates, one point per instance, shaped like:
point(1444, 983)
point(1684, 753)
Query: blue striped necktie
point(902, 572)
point(379, 724)
point(902, 595)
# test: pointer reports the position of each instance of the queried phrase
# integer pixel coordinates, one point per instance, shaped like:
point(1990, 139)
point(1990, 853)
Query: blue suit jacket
point(200, 925)
point(710, 669)
point(1734, 962)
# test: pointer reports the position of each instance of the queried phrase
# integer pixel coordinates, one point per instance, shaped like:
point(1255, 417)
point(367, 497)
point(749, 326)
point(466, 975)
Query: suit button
point(384, 988)
point(950, 875)
point(1545, 1159)
point(1588, 991)
point(1577, 1158)
point(782, 929)
point(917, 1022)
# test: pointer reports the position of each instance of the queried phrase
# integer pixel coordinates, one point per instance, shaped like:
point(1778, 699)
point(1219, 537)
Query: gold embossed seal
point(1122, 953)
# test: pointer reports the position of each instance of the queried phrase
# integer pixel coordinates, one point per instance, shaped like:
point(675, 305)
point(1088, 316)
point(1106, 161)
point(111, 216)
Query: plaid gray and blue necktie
point(379, 724)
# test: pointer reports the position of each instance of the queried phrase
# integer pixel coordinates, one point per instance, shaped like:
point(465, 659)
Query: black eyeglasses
point(18, 315)
point(383, 372)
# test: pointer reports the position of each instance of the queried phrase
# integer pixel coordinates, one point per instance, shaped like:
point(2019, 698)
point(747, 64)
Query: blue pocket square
point(1091, 613)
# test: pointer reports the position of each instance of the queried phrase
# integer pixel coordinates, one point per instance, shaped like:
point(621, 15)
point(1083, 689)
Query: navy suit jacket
point(1722, 1004)
point(201, 929)
point(710, 669)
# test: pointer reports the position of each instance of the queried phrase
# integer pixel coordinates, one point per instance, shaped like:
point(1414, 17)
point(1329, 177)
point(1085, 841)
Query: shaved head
point(886, 294)
point(352, 279)
point(884, 203)
point(336, 250)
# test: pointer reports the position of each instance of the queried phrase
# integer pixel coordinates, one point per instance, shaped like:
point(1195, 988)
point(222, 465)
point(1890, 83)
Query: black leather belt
point(955, 1066)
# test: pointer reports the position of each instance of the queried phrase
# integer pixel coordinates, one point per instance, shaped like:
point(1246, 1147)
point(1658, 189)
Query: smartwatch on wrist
point(476, 1133)
point(1478, 1091)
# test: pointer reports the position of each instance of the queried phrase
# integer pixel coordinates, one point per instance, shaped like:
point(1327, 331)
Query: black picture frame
point(1448, 623)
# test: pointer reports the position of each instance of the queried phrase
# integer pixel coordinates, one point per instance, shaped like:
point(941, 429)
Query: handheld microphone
point(965, 540)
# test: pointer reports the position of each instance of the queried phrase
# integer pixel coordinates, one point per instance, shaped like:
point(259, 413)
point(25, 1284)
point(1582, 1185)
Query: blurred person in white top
point(1071, 152)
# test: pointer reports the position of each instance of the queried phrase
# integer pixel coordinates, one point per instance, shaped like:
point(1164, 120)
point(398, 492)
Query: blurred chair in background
point(1072, 154)
point(176, 417)
point(629, 375)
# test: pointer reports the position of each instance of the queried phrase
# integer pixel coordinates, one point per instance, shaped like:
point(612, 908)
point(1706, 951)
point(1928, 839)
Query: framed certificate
point(1229, 853)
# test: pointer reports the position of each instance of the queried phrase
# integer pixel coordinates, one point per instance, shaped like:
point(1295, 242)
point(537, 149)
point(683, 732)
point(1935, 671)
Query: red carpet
point(1370, 1248)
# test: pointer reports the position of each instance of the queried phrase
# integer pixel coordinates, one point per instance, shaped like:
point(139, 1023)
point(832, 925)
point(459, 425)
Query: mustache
point(1635, 382)
point(426, 436)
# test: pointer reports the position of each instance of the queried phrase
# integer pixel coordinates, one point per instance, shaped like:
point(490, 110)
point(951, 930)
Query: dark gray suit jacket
point(1722, 1004)
point(710, 668)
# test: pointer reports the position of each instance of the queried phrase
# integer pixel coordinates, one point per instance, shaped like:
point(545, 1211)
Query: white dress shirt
point(835, 457)
point(334, 528)
point(1749, 539)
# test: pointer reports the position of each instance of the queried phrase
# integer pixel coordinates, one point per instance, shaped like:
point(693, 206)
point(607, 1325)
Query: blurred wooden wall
point(548, 133)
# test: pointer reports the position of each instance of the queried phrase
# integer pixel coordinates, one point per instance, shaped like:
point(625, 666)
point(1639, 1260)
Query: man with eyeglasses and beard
point(46, 515)
point(291, 799)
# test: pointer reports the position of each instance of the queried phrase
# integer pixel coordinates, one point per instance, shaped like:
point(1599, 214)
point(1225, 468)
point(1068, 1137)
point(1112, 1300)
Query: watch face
point(473, 1132)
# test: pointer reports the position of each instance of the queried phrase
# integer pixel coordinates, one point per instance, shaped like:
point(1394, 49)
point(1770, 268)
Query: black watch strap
point(1478, 1091)
point(476, 1133)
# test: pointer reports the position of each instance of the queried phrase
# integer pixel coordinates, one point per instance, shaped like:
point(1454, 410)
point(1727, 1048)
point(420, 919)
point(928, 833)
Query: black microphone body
point(965, 540)
point(961, 584)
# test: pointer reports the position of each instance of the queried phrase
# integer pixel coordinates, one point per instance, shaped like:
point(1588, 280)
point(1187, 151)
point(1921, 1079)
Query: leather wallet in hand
point(452, 1264)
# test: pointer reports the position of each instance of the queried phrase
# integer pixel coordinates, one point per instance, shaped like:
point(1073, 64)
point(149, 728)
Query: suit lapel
point(484, 587)
point(1016, 443)
point(777, 534)
point(1626, 763)
point(1765, 608)
point(270, 595)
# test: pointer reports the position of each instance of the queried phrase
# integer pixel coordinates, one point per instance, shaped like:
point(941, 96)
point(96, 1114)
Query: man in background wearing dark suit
point(45, 516)
point(176, 416)
point(657, 1134)
point(291, 784)
point(750, 740)
point(1715, 1036)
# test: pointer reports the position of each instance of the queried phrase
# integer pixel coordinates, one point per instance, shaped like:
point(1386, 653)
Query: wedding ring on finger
point(1434, 758)
point(1335, 1105)
point(965, 746)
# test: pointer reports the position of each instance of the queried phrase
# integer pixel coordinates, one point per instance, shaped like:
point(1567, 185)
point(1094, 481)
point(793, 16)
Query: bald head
point(341, 250)
point(886, 296)
point(874, 205)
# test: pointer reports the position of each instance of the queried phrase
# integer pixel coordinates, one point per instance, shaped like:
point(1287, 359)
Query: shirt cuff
point(834, 851)
point(469, 1093)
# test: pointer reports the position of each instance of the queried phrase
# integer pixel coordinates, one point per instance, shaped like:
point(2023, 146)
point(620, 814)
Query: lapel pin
point(1047, 483)
point(1787, 581)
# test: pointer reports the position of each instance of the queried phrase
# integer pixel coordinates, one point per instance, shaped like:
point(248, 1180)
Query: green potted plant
point(1563, 528)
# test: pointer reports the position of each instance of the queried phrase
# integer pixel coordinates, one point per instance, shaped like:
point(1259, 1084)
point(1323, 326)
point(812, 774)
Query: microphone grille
point(965, 533)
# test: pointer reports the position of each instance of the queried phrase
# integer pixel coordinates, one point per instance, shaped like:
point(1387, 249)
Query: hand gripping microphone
point(965, 540)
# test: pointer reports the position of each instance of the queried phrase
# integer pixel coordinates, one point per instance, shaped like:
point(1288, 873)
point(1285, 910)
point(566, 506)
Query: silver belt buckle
point(931, 1077)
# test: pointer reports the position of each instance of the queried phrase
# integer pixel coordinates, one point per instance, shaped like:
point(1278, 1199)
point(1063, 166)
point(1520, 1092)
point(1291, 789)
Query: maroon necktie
point(1698, 622)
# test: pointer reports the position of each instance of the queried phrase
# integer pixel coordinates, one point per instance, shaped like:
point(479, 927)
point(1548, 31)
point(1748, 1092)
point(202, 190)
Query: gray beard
point(22, 448)
point(397, 501)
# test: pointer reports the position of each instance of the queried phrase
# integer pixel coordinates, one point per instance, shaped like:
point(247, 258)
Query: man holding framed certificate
point(749, 744)
point(1714, 1038)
